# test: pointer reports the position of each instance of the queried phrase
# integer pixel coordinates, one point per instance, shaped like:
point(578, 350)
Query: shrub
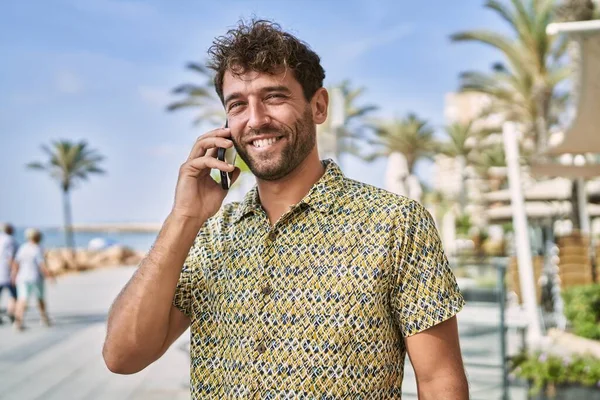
point(582, 309)
point(546, 370)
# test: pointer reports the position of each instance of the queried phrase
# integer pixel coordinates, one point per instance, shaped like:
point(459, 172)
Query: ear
point(319, 105)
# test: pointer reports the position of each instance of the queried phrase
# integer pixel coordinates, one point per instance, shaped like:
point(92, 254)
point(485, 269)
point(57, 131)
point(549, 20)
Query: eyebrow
point(266, 89)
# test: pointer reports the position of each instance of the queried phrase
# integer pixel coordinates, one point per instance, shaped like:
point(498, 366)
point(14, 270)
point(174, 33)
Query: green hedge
point(582, 309)
point(542, 369)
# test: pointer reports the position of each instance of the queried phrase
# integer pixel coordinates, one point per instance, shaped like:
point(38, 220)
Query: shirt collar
point(320, 197)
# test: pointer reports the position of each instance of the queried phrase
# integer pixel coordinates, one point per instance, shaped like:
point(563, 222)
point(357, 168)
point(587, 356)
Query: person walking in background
point(29, 273)
point(8, 248)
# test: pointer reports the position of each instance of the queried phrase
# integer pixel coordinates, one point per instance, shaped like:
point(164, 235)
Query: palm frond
point(68, 162)
point(507, 46)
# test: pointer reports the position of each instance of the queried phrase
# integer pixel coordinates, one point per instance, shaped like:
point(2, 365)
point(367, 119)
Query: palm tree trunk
point(462, 166)
point(68, 222)
point(396, 173)
point(543, 105)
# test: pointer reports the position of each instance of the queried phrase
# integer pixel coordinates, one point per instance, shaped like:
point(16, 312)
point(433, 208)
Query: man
point(314, 286)
point(8, 249)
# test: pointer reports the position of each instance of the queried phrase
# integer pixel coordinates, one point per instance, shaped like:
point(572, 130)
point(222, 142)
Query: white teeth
point(264, 142)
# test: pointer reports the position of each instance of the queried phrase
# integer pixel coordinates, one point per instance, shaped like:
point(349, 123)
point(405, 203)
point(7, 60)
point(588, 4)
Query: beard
point(298, 140)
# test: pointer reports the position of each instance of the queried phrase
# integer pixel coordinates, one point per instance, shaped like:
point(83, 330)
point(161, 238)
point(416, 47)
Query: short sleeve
point(425, 292)
point(183, 291)
point(191, 280)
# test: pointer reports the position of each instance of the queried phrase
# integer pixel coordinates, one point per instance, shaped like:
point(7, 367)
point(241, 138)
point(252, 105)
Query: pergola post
point(522, 242)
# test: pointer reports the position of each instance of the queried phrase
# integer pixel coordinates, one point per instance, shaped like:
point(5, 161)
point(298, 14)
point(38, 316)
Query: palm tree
point(69, 163)
point(576, 10)
point(201, 97)
point(524, 87)
point(462, 141)
point(487, 162)
point(339, 133)
point(411, 138)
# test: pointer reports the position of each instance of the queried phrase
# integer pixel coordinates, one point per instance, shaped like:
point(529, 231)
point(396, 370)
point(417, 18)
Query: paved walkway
point(64, 362)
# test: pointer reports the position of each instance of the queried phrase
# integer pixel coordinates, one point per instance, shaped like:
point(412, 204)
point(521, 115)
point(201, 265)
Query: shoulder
point(217, 225)
point(360, 195)
point(223, 219)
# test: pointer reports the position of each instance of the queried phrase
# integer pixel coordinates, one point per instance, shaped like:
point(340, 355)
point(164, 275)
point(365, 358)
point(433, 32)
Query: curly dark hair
point(262, 46)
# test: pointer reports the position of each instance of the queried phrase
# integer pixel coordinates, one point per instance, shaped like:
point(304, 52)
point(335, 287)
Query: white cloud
point(67, 82)
point(356, 48)
point(154, 96)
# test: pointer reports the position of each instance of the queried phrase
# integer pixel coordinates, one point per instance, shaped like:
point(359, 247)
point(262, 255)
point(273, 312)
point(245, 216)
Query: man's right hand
point(143, 322)
point(197, 195)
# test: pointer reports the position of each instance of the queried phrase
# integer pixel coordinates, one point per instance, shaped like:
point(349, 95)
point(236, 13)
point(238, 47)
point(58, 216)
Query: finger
point(212, 152)
point(203, 163)
point(199, 148)
point(210, 143)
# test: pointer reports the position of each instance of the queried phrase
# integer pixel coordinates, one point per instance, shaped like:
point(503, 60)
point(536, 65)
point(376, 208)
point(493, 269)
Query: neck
point(277, 197)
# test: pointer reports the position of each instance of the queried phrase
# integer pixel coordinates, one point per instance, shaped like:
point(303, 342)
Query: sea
point(53, 237)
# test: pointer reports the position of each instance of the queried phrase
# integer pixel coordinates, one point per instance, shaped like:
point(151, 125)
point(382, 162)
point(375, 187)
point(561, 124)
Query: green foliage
point(463, 224)
point(544, 370)
point(69, 163)
point(411, 136)
point(507, 227)
point(347, 138)
point(582, 309)
point(200, 97)
point(522, 86)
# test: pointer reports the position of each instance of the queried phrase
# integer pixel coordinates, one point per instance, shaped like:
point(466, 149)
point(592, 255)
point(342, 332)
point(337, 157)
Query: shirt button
point(267, 290)
point(261, 348)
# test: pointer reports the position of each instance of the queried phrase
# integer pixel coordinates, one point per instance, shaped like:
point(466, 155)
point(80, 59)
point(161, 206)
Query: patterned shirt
point(317, 305)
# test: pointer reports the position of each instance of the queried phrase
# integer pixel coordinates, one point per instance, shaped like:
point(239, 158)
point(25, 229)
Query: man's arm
point(142, 321)
point(14, 270)
point(436, 359)
point(12, 262)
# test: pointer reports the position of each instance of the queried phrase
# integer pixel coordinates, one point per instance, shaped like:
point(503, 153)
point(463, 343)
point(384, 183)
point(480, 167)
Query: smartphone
point(229, 156)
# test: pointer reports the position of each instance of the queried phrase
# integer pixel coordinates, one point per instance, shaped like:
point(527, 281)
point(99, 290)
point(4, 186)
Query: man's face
point(271, 122)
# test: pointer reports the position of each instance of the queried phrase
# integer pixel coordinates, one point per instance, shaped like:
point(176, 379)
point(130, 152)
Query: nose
point(258, 116)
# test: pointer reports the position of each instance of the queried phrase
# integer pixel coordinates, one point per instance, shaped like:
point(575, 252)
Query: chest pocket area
point(231, 281)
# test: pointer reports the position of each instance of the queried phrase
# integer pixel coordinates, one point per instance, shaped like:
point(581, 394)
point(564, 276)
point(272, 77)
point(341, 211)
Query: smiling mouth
point(263, 143)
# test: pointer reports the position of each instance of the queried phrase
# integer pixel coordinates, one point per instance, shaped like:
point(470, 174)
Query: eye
point(275, 96)
point(234, 105)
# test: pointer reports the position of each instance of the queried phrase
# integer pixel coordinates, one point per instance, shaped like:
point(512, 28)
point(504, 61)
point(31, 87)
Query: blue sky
point(102, 70)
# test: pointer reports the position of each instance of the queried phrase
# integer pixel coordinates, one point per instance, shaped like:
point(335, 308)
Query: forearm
point(14, 270)
point(451, 387)
point(138, 321)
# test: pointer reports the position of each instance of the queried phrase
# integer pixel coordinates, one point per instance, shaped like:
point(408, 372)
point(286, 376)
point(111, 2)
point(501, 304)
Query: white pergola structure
point(581, 137)
point(583, 133)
